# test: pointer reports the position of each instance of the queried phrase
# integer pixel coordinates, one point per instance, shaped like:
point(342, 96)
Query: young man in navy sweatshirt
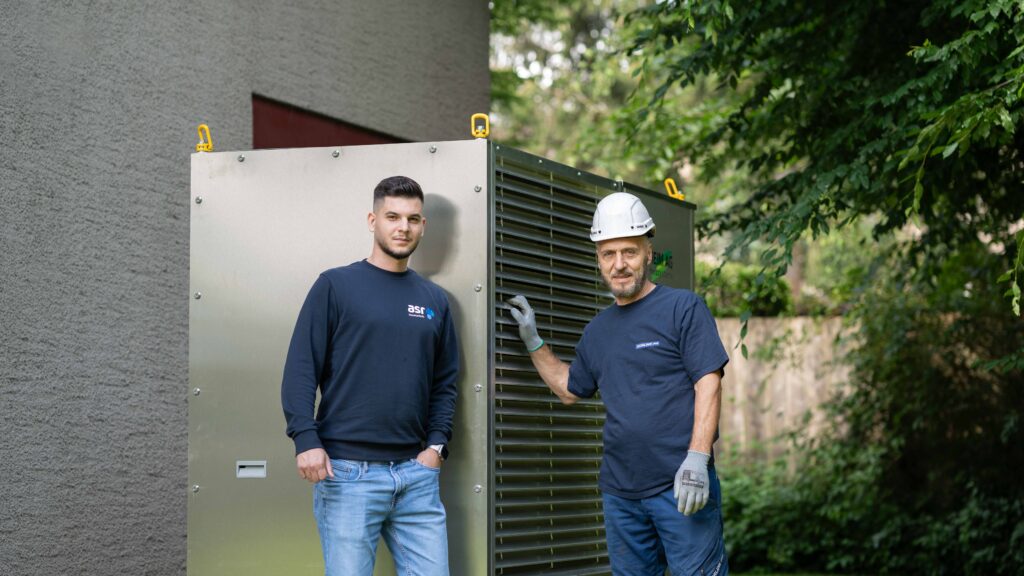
point(379, 342)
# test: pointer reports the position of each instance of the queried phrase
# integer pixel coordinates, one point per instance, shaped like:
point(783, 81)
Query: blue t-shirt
point(382, 349)
point(645, 357)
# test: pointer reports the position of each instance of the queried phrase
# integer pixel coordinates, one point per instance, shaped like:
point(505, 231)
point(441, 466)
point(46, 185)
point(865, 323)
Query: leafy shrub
point(918, 472)
point(729, 289)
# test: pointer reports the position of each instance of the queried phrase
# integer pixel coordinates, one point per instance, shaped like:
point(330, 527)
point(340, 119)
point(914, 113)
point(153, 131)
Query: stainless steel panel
point(547, 506)
point(268, 223)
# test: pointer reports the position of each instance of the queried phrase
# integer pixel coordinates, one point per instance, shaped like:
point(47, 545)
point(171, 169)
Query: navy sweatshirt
point(382, 349)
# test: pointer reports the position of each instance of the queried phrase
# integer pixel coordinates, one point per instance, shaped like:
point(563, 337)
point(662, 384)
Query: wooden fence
point(793, 365)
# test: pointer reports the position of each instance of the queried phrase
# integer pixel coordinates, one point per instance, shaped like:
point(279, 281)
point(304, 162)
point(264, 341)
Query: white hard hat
point(620, 215)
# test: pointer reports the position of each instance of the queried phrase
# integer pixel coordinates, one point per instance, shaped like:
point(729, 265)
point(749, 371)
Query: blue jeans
point(646, 536)
point(367, 500)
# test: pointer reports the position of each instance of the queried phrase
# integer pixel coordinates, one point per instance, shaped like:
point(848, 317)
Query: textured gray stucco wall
point(98, 107)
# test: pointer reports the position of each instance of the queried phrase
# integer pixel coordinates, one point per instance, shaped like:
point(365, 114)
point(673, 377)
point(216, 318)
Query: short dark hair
point(400, 186)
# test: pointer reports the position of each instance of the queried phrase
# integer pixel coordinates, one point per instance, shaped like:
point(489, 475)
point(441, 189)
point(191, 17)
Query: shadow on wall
point(438, 246)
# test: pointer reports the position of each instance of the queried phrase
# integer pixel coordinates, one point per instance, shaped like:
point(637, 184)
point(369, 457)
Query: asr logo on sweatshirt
point(420, 312)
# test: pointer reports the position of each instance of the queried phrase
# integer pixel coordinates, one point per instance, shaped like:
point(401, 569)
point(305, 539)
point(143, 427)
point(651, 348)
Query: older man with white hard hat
point(657, 359)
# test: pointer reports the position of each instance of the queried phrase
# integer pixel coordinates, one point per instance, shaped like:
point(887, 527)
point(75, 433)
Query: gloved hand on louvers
point(523, 314)
point(691, 488)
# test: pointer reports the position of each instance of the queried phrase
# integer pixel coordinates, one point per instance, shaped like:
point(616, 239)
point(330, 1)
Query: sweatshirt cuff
point(307, 440)
point(436, 437)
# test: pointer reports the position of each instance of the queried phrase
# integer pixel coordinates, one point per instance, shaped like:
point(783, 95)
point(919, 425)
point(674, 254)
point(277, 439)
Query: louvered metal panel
point(546, 505)
point(546, 456)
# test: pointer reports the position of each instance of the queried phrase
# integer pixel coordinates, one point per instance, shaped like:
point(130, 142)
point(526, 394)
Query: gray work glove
point(692, 484)
point(523, 314)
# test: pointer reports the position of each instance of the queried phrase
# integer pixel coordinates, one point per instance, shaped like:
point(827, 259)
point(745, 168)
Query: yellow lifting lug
point(205, 142)
point(673, 192)
point(479, 125)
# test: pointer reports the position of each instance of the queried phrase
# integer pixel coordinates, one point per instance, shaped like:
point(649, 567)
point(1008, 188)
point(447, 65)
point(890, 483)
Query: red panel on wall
point(277, 125)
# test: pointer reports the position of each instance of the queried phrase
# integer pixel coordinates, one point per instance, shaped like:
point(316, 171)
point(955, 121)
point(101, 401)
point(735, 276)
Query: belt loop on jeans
point(365, 466)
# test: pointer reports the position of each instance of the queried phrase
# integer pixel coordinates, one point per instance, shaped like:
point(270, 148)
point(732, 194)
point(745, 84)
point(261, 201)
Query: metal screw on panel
point(199, 199)
point(197, 295)
point(196, 392)
point(478, 387)
point(195, 488)
point(241, 157)
point(477, 188)
point(336, 153)
point(433, 149)
point(478, 488)
point(478, 287)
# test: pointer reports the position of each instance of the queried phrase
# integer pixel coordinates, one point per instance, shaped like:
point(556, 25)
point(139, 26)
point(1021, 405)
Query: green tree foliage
point(731, 290)
point(561, 83)
point(918, 473)
point(563, 88)
point(513, 19)
point(831, 111)
point(896, 123)
point(904, 116)
point(556, 83)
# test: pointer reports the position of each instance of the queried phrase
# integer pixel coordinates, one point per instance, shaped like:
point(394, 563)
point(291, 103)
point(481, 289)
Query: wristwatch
point(441, 450)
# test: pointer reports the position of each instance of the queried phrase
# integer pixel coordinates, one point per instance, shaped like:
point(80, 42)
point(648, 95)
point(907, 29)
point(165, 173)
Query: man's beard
point(396, 254)
point(638, 285)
